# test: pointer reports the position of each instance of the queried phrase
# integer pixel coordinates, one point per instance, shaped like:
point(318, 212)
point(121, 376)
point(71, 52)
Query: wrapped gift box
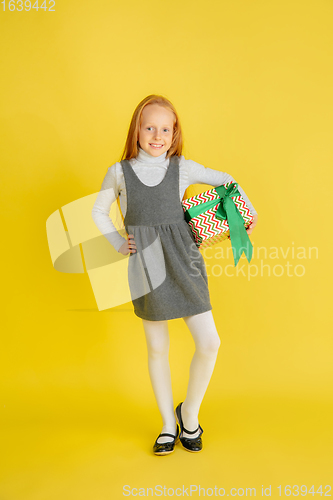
point(218, 214)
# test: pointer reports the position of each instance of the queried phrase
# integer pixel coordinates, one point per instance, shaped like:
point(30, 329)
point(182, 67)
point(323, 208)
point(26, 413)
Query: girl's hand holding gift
point(253, 225)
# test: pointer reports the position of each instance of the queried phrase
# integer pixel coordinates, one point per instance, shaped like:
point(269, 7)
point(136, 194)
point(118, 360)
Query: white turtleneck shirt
point(151, 171)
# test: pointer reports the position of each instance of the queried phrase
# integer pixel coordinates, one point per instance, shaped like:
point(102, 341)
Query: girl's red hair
point(131, 148)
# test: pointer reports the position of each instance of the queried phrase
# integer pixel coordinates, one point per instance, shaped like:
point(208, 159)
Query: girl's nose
point(157, 135)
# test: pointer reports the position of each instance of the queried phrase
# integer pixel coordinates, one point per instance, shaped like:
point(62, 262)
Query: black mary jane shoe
point(190, 444)
point(168, 447)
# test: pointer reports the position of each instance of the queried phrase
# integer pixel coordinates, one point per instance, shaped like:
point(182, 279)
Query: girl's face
point(156, 129)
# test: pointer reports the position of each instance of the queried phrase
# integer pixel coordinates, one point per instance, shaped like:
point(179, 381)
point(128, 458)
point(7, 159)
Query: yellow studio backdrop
point(252, 83)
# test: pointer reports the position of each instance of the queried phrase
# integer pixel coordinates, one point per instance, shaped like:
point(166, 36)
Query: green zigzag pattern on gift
point(206, 227)
point(209, 195)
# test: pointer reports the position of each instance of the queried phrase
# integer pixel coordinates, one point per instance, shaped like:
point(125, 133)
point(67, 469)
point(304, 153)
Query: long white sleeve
point(101, 209)
point(199, 174)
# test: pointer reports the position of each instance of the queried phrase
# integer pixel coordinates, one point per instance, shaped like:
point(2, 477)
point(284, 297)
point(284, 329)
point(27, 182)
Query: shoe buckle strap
point(190, 432)
point(166, 434)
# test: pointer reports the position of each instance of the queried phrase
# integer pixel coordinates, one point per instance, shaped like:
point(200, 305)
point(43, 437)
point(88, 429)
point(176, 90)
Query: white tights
point(207, 342)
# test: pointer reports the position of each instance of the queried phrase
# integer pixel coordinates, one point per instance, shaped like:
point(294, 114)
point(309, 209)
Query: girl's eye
point(166, 129)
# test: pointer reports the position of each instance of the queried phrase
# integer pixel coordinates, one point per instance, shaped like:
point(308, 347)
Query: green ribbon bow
point(227, 209)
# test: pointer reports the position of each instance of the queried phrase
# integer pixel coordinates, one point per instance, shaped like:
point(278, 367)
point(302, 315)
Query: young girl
point(166, 271)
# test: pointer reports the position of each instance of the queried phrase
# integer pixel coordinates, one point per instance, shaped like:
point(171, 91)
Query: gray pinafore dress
point(167, 274)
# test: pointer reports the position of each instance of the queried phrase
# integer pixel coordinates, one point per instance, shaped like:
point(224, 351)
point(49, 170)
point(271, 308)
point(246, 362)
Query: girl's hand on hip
point(129, 246)
point(253, 225)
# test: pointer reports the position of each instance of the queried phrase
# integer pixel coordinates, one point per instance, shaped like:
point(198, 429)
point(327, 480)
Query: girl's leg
point(207, 343)
point(158, 342)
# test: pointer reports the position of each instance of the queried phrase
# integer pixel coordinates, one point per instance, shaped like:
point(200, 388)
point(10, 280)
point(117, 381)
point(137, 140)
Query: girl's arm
point(198, 174)
point(100, 213)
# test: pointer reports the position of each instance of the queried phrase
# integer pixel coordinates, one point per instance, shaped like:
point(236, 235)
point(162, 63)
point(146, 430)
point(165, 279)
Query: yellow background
point(252, 83)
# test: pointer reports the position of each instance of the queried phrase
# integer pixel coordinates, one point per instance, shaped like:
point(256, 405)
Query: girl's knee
point(209, 344)
point(158, 347)
point(157, 337)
